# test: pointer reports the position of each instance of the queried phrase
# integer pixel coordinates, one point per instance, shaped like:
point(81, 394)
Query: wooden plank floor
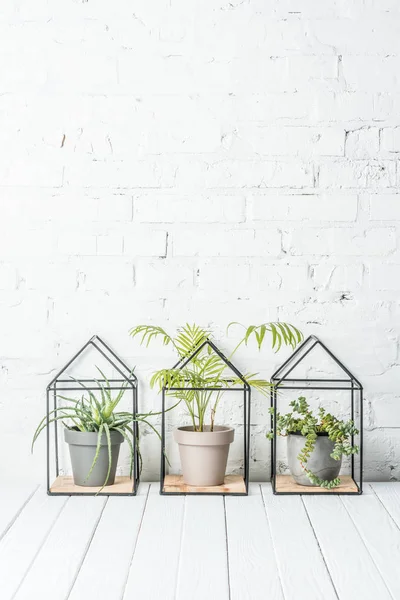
point(154, 547)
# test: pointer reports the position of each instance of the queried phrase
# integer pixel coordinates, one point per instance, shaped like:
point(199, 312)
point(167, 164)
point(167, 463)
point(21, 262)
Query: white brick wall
point(178, 160)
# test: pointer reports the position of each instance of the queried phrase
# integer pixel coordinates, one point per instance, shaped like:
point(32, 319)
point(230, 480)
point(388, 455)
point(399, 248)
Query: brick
point(120, 174)
point(178, 209)
point(258, 174)
point(50, 278)
point(377, 74)
point(385, 277)
point(390, 140)
point(336, 277)
point(8, 277)
point(218, 275)
point(385, 207)
point(77, 243)
point(110, 244)
point(227, 243)
point(281, 277)
point(342, 242)
point(357, 174)
point(31, 171)
point(105, 274)
point(335, 207)
point(145, 242)
point(162, 276)
point(294, 141)
point(362, 143)
point(17, 242)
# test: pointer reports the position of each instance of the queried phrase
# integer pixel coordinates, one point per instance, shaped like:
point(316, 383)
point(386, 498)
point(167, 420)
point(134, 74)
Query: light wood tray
point(65, 485)
point(286, 483)
point(233, 484)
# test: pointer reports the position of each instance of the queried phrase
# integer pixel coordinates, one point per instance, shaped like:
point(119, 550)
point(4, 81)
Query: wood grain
point(286, 483)
point(65, 485)
point(253, 569)
point(380, 535)
point(154, 569)
point(203, 568)
point(56, 566)
point(300, 562)
point(353, 571)
point(23, 541)
point(233, 484)
point(118, 530)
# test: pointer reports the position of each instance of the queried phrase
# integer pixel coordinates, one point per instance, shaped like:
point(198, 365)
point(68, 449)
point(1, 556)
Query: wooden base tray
point(285, 484)
point(233, 484)
point(65, 485)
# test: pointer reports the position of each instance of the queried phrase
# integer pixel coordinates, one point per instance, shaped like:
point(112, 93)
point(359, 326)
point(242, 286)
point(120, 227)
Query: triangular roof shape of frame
point(181, 364)
point(282, 373)
point(103, 349)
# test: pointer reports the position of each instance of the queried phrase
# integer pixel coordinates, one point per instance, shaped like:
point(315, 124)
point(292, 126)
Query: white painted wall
point(210, 161)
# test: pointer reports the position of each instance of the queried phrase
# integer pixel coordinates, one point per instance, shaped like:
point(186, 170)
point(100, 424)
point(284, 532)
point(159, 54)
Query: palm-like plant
point(98, 414)
point(207, 370)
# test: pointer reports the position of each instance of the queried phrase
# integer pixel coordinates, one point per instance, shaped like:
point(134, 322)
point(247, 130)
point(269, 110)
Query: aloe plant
point(98, 414)
point(206, 369)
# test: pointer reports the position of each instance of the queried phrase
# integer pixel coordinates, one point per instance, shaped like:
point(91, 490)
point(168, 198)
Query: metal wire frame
point(57, 384)
point(245, 388)
point(280, 380)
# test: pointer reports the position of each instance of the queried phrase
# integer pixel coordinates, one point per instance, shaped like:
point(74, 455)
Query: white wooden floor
point(200, 548)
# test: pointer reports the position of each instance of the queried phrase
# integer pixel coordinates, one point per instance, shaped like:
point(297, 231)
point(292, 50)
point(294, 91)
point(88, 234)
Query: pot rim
point(218, 429)
point(89, 438)
point(319, 434)
point(222, 436)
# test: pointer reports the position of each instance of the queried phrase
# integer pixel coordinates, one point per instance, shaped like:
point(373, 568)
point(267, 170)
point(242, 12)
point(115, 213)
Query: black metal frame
point(280, 381)
point(128, 380)
point(245, 388)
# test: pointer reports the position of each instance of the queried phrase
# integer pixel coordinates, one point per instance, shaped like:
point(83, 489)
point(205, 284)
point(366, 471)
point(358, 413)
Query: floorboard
point(351, 567)
point(203, 566)
point(380, 535)
point(12, 503)
point(154, 569)
point(24, 539)
point(111, 549)
point(54, 570)
point(156, 547)
point(300, 561)
point(252, 565)
point(389, 495)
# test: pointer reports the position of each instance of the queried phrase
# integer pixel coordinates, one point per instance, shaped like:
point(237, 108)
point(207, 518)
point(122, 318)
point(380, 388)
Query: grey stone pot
point(320, 462)
point(82, 449)
point(204, 454)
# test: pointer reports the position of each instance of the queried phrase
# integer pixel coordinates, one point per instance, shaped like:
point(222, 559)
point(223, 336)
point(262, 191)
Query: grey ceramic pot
point(320, 462)
point(204, 454)
point(82, 449)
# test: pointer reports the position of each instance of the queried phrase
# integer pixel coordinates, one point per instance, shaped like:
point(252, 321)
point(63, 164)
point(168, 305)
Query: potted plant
point(94, 431)
point(204, 445)
point(315, 444)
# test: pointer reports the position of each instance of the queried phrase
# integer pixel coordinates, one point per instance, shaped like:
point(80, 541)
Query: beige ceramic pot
point(204, 454)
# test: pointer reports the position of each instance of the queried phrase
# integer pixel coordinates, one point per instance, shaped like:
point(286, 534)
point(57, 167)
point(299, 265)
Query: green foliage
point(97, 414)
point(301, 420)
point(206, 369)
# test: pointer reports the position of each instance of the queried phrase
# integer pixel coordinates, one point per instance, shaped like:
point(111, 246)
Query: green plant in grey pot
point(315, 443)
point(204, 445)
point(94, 431)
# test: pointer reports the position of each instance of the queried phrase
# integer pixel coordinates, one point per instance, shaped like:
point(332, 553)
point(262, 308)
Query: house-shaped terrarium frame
point(234, 485)
point(283, 379)
point(126, 380)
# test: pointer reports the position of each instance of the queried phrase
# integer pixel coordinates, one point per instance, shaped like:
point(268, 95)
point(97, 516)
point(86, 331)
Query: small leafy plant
point(302, 420)
point(98, 414)
point(207, 370)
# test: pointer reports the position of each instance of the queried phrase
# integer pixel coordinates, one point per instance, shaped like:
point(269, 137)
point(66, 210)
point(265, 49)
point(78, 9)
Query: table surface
point(154, 547)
